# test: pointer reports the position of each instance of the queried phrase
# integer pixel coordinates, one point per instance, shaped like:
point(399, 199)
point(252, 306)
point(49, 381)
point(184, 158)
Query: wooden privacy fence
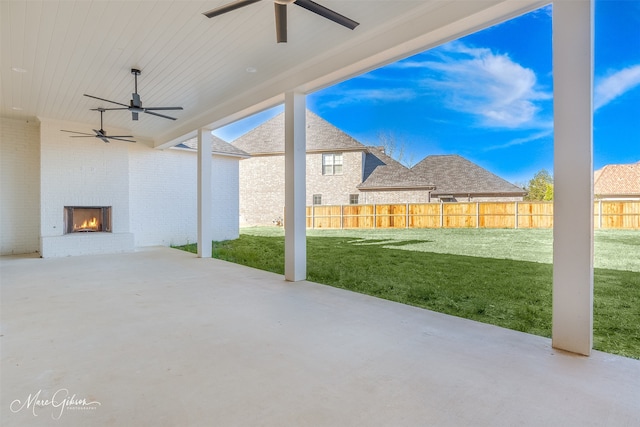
point(607, 214)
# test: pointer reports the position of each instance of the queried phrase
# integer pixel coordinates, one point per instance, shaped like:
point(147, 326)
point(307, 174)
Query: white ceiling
point(72, 47)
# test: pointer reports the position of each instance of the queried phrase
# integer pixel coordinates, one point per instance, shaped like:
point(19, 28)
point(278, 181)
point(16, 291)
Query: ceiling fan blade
point(327, 13)
point(281, 22)
point(159, 115)
point(83, 136)
point(106, 100)
point(113, 109)
point(73, 131)
point(134, 115)
point(228, 7)
point(99, 133)
point(121, 139)
point(104, 138)
point(163, 108)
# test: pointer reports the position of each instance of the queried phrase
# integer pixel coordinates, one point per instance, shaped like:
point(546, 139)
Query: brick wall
point(226, 201)
point(261, 190)
point(335, 189)
point(384, 197)
point(82, 172)
point(153, 193)
point(163, 196)
point(19, 187)
point(262, 185)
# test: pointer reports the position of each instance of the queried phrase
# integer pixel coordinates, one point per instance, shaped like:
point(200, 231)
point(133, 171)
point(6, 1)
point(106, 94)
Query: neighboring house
point(617, 182)
point(341, 170)
point(459, 180)
point(151, 194)
point(334, 168)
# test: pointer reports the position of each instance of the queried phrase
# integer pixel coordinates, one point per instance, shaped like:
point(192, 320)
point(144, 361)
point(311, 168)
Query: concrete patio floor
point(159, 337)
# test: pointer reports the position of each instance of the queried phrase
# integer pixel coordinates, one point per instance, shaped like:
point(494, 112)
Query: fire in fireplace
point(79, 219)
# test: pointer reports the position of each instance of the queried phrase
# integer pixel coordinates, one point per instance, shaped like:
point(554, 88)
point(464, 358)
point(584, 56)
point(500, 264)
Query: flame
point(91, 224)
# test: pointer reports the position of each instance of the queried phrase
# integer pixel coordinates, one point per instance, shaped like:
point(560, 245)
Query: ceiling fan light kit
point(281, 14)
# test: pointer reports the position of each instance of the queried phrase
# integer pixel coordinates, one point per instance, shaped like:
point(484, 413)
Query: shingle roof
point(383, 172)
point(617, 180)
point(453, 174)
point(268, 138)
point(218, 146)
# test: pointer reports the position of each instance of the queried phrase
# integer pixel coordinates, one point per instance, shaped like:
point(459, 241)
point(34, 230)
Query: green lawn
point(502, 277)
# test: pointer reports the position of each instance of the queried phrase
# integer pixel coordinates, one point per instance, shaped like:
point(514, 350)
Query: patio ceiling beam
point(572, 328)
point(295, 244)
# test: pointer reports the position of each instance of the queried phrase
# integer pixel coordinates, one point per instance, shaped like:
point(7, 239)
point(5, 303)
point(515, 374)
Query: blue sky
point(488, 96)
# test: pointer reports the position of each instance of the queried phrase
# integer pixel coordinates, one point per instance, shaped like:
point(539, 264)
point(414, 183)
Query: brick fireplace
point(84, 196)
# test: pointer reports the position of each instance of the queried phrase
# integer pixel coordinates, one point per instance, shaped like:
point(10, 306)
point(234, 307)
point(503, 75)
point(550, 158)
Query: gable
point(382, 172)
point(268, 138)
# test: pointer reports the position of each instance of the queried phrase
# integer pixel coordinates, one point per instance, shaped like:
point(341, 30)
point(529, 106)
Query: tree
point(395, 148)
point(540, 187)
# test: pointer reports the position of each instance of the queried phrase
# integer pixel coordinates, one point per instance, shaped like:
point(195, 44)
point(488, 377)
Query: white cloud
point(490, 86)
point(617, 84)
point(520, 141)
point(380, 95)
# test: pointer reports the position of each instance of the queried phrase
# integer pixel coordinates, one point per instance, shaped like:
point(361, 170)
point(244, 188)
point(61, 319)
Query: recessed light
point(252, 70)
point(16, 108)
point(19, 70)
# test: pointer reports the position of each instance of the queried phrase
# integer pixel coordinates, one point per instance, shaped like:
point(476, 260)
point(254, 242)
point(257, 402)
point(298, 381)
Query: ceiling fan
point(135, 105)
point(102, 134)
point(281, 14)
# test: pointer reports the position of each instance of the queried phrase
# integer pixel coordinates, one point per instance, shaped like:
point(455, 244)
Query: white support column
point(204, 194)
point(295, 158)
point(573, 176)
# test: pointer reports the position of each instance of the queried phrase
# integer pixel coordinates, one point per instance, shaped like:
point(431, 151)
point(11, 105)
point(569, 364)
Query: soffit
point(69, 48)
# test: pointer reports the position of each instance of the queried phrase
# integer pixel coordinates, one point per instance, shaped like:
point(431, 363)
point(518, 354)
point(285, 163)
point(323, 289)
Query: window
point(332, 164)
point(317, 199)
point(353, 199)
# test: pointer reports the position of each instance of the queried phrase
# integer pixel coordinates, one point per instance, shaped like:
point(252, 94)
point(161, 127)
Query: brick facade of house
point(366, 172)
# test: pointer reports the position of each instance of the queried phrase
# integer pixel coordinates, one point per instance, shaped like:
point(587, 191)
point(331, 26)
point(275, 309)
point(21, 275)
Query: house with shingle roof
point(340, 170)
point(617, 182)
point(460, 180)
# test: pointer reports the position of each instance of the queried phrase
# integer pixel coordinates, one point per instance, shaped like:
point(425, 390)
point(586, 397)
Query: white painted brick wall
point(82, 172)
point(153, 193)
point(19, 187)
point(163, 196)
point(226, 199)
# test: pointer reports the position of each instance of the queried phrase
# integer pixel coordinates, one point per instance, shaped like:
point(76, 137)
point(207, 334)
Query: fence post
point(313, 216)
point(516, 224)
point(477, 214)
point(341, 217)
point(441, 214)
point(599, 213)
point(374, 215)
point(406, 225)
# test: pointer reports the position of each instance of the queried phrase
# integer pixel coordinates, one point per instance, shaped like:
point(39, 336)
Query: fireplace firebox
point(82, 219)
